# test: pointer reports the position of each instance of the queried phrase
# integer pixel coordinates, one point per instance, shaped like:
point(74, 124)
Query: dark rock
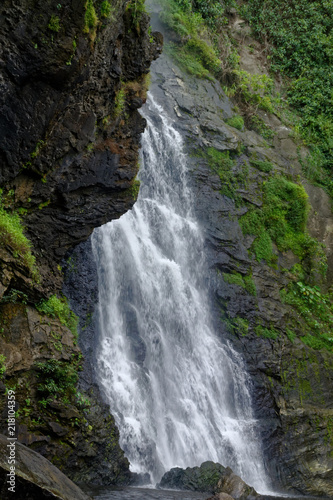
point(35, 477)
point(209, 477)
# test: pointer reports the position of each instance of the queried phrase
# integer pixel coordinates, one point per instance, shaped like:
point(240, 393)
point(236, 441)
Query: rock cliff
point(72, 76)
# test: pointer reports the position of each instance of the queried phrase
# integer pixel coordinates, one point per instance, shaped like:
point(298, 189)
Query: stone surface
point(209, 477)
point(35, 477)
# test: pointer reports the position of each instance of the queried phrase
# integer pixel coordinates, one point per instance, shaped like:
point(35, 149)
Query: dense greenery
point(12, 237)
point(316, 310)
point(59, 308)
point(56, 378)
point(300, 36)
point(282, 220)
point(245, 282)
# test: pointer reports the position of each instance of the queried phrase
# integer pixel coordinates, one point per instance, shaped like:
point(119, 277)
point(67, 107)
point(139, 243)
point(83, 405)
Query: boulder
point(35, 477)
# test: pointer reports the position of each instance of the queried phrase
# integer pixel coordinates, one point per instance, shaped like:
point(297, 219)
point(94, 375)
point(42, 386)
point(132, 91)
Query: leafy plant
point(59, 308)
point(264, 166)
point(57, 378)
point(236, 121)
point(54, 23)
point(2, 365)
point(12, 237)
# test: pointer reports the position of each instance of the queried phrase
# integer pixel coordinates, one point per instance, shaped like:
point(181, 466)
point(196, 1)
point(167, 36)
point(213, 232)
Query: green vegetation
point(264, 166)
point(245, 282)
point(59, 308)
point(90, 20)
point(135, 188)
point(106, 9)
point(236, 121)
point(253, 91)
point(15, 297)
point(195, 52)
point(54, 23)
point(282, 220)
point(221, 164)
point(2, 365)
point(56, 378)
point(119, 103)
point(267, 333)
point(237, 325)
point(300, 36)
point(12, 237)
point(136, 8)
point(316, 311)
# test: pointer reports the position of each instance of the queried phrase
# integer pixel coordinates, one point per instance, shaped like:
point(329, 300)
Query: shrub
point(236, 121)
point(59, 308)
point(11, 236)
point(264, 166)
point(57, 378)
point(54, 23)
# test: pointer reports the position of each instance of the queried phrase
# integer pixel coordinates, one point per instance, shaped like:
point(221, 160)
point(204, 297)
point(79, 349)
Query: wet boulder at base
point(210, 477)
point(35, 477)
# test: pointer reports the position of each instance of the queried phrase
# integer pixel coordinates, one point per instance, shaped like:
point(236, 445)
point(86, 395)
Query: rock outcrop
point(209, 477)
point(35, 478)
point(72, 77)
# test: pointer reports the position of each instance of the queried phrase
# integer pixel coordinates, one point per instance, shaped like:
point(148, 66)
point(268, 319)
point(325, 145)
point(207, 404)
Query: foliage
point(11, 236)
point(300, 35)
point(119, 102)
point(135, 188)
point(221, 163)
point(136, 8)
point(90, 20)
point(57, 378)
point(267, 333)
point(195, 52)
point(236, 121)
point(106, 9)
point(54, 23)
point(316, 310)
point(14, 297)
point(2, 365)
point(253, 90)
point(245, 282)
point(237, 325)
point(264, 166)
point(282, 220)
point(59, 308)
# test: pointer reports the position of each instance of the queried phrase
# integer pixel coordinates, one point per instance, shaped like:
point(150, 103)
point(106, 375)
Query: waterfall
point(178, 393)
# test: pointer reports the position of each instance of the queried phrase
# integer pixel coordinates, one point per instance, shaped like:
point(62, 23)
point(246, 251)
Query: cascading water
point(179, 395)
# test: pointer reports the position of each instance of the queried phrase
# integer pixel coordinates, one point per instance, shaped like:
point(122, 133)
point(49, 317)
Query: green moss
point(2, 365)
point(119, 103)
point(245, 282)
point(236, 121)
point(106, 9)
point(264, 166)
point(267, 333)
point(316, 311)
point(90, 20)
point(12, 237)
point(59, 308)
point(54, 23)
point(135, 188)
point(282, 220)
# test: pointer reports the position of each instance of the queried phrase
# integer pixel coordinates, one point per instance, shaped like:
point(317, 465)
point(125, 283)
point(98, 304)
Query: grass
point(282, 220)
point(245, 282)
point(263, 166)
point(59, 308)
point(316, 311)
point(12, 237)
point(267, 333)
point(236, 121)
point(223, 165)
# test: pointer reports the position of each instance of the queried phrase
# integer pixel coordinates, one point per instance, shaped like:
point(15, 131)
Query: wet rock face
point(291, 383)
point(67, 149)
point(69, 138)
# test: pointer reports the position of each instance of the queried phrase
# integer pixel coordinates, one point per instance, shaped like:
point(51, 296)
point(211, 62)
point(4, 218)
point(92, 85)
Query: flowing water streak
point(178, 394)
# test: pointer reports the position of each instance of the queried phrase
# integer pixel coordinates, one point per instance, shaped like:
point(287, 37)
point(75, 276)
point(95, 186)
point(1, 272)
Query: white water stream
point(179, 395)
